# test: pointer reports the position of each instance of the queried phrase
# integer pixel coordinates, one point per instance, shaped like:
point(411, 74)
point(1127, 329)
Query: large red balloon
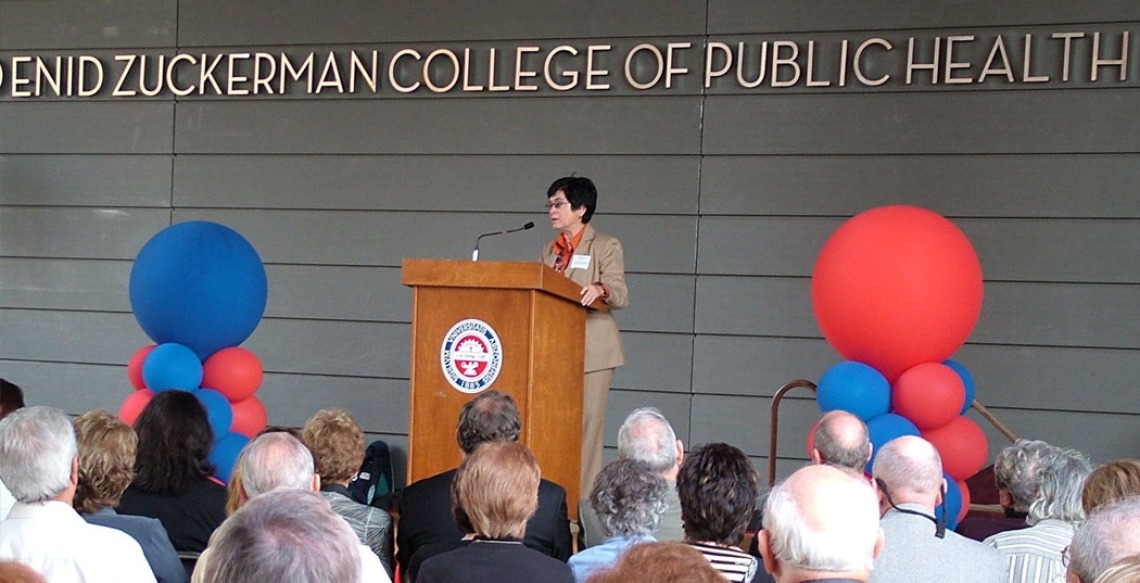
point(962, 445)
point(134, 367)
point(133, 405)
point(930, 395)
point(965, 491)
point(249, 417)
point(897, 286)
point(234, 372)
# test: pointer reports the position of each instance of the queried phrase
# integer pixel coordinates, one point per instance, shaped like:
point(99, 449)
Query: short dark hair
point(174, 441)
point(11, 397)
point(718, 486)
point(579, 191)
point(491, 416)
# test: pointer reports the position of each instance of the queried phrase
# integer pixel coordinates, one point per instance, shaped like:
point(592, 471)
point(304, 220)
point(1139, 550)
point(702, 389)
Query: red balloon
point(234, 372)
point(133, 405)
point(962, 445)
point(134, 367)
point(930, 395)
point(897, 286)
point(249, 417)
point(965, 490)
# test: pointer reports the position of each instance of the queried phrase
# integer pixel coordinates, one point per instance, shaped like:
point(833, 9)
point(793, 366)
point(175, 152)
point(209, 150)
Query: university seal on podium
point(471, 356)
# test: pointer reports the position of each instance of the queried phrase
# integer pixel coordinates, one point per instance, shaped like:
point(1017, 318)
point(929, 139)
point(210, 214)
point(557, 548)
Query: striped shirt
point(1034, 553)
point(735, 565)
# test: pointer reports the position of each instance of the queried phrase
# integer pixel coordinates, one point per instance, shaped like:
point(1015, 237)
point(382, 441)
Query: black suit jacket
point(427, 527)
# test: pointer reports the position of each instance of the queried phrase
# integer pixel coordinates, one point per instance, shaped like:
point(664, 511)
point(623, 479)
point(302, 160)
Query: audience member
point(918, 547)
point(106, 467)
point(718, 486)
point(337, 443)
point(841, 440)
point(1123, 571)
point(11, 398)
point(278, 461)
point(660, 563)
point(14, 572)
point(1111, 534)
point(172, 475)
point(38, 463)
point(1110, 482)
point(822, 523)
point(427, 528)
point(284, 536)
point(495, 492)
point(1034, 553)
point(629, 498)
point(1016, 470)
point(645, 436)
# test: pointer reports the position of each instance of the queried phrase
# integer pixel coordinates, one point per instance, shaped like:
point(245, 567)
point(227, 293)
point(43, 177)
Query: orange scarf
point(564, 248)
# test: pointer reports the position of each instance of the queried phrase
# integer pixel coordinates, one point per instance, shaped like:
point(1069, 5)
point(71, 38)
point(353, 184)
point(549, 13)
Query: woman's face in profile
point(562, 216)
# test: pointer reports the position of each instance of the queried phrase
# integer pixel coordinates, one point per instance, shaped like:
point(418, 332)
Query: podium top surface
point(532, 275)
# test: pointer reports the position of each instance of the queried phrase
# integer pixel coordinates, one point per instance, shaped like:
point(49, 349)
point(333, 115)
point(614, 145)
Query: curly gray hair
point(629, 498)
point(1060, 483)
point(1016, 469)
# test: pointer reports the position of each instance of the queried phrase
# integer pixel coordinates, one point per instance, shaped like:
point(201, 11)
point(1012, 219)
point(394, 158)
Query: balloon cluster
point(896, 291)
point(198, 290)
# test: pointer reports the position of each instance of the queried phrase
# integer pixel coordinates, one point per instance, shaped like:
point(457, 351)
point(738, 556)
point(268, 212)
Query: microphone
point(475, 251)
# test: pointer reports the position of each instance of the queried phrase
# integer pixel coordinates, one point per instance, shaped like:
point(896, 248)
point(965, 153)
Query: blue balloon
point(854, 387)
point(218, 410)
point(199, 284)
point(172, 366)
point(967, 381)
point(885, 428)
point(953, 504)
point(225, 453)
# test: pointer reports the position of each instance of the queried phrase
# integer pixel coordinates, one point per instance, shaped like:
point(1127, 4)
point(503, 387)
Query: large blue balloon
point(885, 428)
point(199, 284)
point(172, 366)
point(854, 387)
point(967, 381)
point(953, 503)
point(225, 453)
point(218, 410)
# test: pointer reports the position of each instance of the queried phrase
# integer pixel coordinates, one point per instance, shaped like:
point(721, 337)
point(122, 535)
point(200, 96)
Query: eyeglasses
point(1066, 556)
point(556, 204)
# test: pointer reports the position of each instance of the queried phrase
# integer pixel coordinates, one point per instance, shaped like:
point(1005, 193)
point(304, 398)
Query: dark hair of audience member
point(107, 449)
point(491, 416)
point(11, 398)
point(660, 563)
point(1110, 482)
point(718, 487)
point(174, 442)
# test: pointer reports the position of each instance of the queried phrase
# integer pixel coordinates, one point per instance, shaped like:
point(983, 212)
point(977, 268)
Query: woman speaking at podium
point(592, 260)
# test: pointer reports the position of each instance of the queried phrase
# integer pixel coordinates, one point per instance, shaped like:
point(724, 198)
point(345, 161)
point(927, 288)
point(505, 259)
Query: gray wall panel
point(999, 122)
point(74, 388)
point(378, 405)
point(742, 365)
point(95, 233)
point(85, 180)
point(1102, 436)
point(65, 284)
point(777, 246)
point(1080, 315)
point(86, 128)
point(761, 306)
point(359, 349)
point(674, 406)
point(65, 24)
point(638, 184)
point(961, 185)
point(655, 362)
point(743, 422)
point(659, 303)
point(209, 22)
point(70, 337)
point(657, 125)
point(369, 294)
point(731, 16)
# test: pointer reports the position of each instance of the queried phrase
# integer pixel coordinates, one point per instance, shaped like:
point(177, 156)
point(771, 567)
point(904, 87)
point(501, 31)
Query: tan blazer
point(603, 342)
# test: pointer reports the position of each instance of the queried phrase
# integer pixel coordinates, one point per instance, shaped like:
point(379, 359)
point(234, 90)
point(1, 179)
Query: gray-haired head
point(1016, 470)
point(37, 447)
point(911, 468)
point(629, 497)
point(1109, 535)
point(284, 535)
point(822, 519)
point(275, 460)
point(647, 436)
point(842, 441)
point(1061, 481)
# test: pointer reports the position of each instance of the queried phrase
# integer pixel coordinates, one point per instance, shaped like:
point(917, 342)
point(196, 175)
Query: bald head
point(911, 469)
point(820, 520)
point(841, 440)
point(647, 436)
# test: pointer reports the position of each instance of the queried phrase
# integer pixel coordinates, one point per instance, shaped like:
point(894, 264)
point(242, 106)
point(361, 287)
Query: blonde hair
point(1109, 482)
point(337, 443)
point(107, 448)
point(496, 489)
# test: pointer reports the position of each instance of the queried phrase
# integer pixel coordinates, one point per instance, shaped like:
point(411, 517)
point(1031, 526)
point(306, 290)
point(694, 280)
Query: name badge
point(580, 262)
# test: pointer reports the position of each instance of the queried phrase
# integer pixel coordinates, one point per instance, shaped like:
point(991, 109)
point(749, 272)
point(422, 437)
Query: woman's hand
point(591, 293)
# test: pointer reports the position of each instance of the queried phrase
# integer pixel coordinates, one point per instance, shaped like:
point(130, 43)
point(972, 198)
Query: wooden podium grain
point(541, 326)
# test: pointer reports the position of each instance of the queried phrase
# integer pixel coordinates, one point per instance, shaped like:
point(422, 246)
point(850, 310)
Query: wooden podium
point(536, 317)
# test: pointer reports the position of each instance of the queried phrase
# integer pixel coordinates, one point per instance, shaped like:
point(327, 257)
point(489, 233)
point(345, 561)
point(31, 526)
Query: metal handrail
point(802, 383)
